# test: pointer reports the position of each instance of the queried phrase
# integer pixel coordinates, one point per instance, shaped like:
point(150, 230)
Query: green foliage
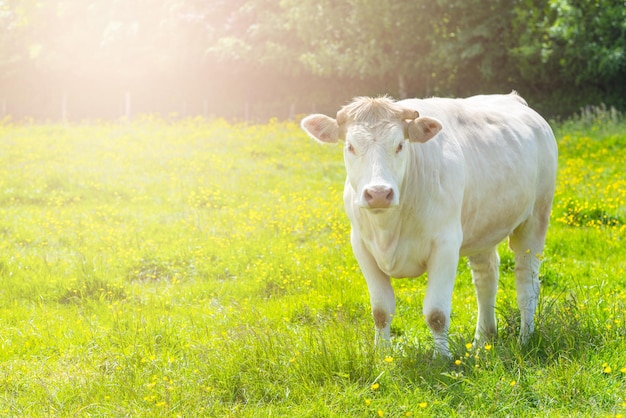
point(198, 268)
point(574, 51)
point(589, 40)
point(470, 51)
point(267, 57)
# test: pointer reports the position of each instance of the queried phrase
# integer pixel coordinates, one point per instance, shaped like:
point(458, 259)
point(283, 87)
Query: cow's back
point(508, 152)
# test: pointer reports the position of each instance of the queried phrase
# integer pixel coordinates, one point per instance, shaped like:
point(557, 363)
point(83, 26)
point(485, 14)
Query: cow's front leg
point(383, 305)
point(382, 299)
point(438, 301)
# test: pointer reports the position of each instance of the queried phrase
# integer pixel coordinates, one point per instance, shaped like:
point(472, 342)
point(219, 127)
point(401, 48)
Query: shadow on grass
point(564, 328)
point(92, 289)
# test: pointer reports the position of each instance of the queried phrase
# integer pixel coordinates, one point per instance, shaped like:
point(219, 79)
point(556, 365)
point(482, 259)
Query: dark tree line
point(261, 58)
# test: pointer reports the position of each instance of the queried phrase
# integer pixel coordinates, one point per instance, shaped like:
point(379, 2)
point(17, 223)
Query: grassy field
point(198, 268)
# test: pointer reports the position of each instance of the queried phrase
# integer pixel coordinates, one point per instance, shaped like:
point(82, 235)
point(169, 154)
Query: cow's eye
point(400, 147)
point(349, 147)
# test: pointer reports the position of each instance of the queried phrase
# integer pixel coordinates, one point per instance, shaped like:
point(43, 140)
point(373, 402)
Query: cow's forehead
point(380, 132)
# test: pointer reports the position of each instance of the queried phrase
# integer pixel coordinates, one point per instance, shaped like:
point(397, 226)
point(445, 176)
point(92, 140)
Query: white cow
point(453, 180)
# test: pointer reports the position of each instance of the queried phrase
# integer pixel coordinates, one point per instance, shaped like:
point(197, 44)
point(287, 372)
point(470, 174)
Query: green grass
point(197, 268)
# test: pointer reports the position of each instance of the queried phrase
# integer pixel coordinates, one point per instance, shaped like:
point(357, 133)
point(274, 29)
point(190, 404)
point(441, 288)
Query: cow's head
point(375, 132)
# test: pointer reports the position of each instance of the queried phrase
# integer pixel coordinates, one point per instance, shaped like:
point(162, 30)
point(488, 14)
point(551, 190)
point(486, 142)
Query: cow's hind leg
point(485, 277)
point(527, 242)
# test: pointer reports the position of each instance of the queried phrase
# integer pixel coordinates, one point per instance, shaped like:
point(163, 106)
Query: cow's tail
point(519, 98)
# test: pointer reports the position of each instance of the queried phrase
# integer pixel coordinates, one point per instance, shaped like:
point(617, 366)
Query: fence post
point(127, 106)
point(292, 111)
point(64, 107)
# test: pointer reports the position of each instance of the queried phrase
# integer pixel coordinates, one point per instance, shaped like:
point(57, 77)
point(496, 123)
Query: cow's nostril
point(378, 196)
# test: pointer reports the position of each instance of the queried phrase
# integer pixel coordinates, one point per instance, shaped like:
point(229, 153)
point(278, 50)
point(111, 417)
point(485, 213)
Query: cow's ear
point(422, 129)
point(321, 128)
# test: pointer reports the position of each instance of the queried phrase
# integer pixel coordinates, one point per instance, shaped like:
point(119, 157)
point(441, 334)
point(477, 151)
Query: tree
point(588, 39)
point(87, 49)
point(367, 39)
point(563, 53)
point(573, 52)
point(356, 39)
point(471, 46)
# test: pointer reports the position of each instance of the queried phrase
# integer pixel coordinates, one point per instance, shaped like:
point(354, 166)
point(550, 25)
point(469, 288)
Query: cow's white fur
point(455, 181)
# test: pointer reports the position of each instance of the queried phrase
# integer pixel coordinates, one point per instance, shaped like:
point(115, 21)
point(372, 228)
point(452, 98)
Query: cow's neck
point(385, 226)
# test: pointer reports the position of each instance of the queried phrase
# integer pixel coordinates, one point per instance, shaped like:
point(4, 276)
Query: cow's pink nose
point(378, 196)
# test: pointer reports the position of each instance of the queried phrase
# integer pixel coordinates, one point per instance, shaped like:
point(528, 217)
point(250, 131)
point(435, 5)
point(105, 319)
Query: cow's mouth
point(379, 210)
